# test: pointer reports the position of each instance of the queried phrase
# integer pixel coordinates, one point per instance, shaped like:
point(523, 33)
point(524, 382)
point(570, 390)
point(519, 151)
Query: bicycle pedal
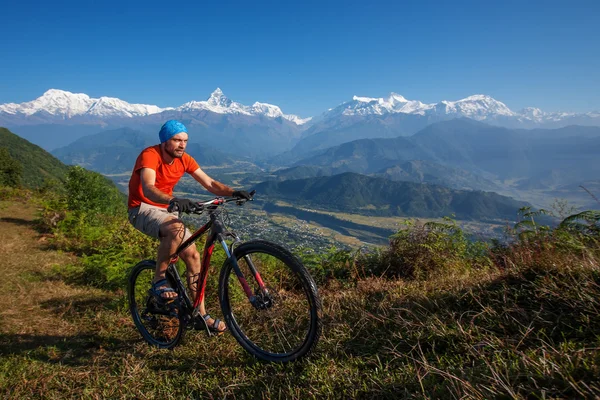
point(199, 325)
point(169, 309)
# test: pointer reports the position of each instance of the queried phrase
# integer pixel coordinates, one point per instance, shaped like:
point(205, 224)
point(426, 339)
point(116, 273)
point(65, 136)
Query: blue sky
point(304, 56)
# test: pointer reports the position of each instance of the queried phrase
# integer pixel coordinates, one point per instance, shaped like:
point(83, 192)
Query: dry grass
point(529, 330)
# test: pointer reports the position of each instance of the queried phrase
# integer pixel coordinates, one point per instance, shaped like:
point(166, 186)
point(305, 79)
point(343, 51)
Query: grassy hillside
point(39, 166)
point(428, 316)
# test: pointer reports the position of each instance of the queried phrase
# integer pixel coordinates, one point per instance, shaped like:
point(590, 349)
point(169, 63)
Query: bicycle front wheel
point(161, 328)
point(283, 325)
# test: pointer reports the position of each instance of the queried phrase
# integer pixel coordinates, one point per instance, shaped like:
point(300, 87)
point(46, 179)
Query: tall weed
point(422, 250)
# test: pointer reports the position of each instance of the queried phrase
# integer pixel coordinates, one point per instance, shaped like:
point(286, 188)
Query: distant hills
point(39, 166)
point(339, 129)
point(115, 151)
point(360, 194)
point(464, 147)
point(460, 154)
point(106, 152)
point(420, 171)
point(368, 155)
point(417, 171)
point(511, 153)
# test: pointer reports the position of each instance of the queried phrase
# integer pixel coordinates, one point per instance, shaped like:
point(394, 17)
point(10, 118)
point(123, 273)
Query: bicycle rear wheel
point(161, 328)
point(287, 325)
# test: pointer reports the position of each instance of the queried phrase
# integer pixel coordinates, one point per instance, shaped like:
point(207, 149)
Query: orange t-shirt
point(167, 175)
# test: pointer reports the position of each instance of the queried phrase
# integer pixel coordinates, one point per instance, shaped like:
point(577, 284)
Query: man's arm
point(213, 186)
point(148, 178)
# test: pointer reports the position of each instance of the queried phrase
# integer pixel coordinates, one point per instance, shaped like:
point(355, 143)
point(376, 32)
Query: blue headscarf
point(170, 129)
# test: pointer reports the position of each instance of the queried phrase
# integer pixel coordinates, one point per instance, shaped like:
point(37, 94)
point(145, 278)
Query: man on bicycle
point(151, 207)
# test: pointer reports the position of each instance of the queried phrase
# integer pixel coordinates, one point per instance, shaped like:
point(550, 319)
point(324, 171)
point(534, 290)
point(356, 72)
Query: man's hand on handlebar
point(188, 206)
point(242, 194)
point(181, 205)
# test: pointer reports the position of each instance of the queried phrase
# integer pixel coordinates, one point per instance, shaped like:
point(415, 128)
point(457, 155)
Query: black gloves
point(181, 205)
point(186, 205)
point(242, 194)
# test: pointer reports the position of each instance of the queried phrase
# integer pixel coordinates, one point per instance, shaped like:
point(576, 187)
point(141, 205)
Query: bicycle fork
point(261, 299)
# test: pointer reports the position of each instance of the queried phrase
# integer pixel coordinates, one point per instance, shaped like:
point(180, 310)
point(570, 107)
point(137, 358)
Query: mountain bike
point(269, 301)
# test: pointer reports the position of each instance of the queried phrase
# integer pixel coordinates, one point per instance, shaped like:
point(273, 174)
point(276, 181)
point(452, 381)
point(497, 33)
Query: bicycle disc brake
point(262, 301)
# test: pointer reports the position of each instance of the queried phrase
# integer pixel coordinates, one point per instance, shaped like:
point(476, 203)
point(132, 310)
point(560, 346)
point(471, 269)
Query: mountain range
point(56, 106)
point(59, 106)
point(478, 107)
point(58, 118)
point(262, 130)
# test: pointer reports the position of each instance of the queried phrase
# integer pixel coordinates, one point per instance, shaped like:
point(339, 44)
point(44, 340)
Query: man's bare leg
point(171, 232)
point(191, 257)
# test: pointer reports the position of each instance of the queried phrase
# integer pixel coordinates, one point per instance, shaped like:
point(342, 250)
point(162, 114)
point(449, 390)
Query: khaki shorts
point(148, 218)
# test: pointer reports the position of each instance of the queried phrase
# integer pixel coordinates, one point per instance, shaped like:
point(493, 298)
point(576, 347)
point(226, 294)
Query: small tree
point(91, 193)
point(11, 169)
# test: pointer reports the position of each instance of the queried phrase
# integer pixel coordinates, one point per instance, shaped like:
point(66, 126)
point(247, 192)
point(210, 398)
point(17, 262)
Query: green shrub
point(336, 264)
point(424, 249)
point(90, 193)
point(11, 170)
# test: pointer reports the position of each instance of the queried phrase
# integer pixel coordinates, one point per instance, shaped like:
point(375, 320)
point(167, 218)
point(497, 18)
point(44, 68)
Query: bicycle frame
point(217, 233)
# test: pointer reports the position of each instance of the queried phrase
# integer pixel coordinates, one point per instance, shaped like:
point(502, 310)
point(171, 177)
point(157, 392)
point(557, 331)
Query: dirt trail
point(34, 304)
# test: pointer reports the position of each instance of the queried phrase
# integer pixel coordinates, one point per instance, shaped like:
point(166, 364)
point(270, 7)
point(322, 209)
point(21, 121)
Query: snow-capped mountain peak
point(533, 114)
point(111, 106)
point(221, 104)
point(478, 107)
point(478, 97)
point(272, 111)
point(57, 102)
point(65, 105)
point(395, 97)
point(531, 111)
point(394, 103)
point(267, 109)
point(218, 99)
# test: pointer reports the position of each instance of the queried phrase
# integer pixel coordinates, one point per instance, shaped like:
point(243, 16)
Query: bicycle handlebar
point(199, 207)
